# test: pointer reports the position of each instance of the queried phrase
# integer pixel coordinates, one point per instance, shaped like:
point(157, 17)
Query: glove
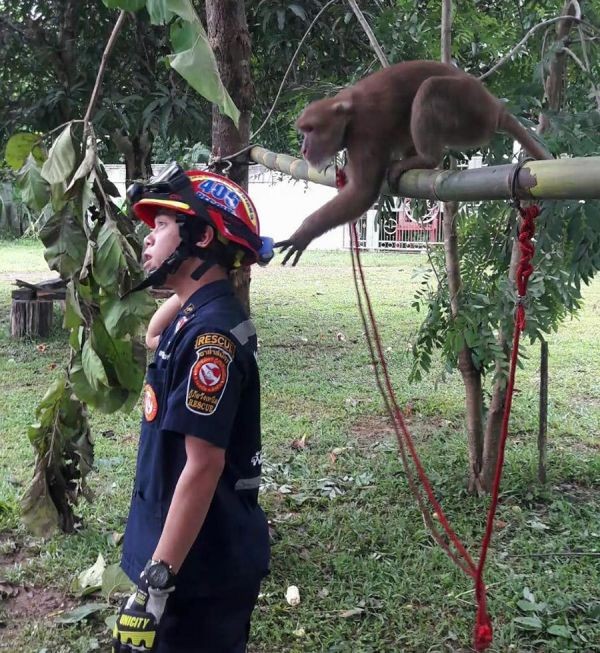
point(139, 616)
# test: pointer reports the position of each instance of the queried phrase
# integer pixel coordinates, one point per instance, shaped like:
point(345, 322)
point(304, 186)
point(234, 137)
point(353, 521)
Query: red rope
point(462, 558)
point(483, 626)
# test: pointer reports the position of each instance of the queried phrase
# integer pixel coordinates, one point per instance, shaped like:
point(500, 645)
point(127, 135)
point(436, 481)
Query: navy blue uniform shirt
point(203, 383)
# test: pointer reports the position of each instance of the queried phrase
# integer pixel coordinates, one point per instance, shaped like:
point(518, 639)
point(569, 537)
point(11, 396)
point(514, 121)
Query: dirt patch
point(371, 429)
point(20, 602)
point(577, 493)
point(34, 603)
point(376, 428)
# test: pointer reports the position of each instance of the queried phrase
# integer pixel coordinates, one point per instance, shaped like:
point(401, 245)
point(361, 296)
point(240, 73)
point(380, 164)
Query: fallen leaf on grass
point(115, 538)
point(353, 612)
point(89, 580)
point(82, 612)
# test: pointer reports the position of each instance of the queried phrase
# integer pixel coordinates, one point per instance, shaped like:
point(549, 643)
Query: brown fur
point(414, 110)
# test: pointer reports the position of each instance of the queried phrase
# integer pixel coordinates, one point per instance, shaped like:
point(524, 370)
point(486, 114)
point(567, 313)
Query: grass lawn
point(346, 529)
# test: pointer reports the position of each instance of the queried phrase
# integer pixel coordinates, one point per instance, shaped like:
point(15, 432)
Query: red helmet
point(204, 195)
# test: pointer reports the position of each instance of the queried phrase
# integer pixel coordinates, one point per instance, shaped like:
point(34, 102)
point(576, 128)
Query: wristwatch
point(159, 574)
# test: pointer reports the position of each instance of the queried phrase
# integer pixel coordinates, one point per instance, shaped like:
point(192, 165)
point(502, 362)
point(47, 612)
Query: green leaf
point(92, 577)
point(182, 8)
point(82, 612)
point(20, 146)
point(527, 606)
point(110, 622)
point(114, 580)
point(125, 5)
point(529, 623)
point(35, 191)
point(182, 34)
point(88, 163)
point(73, 315)
point(108, 400)
point(127, 315)
point(61, 159)
point(65, 242)
point(92, 367)
point(198, 66)
point(108, 258)
point(121, 356)
point(559, 631)
point(158, 11)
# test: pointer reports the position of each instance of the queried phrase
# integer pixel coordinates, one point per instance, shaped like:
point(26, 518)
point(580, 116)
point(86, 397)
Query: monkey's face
point(323, 124)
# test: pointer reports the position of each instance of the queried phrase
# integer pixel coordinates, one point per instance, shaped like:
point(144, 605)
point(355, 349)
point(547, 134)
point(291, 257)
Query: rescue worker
point(196, 541)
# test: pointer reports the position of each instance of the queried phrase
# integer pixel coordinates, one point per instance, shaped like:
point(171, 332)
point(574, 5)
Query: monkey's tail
point(508, 123)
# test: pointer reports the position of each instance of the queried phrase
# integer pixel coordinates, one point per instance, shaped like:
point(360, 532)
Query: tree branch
point(107, 50)
point(287, 72)
point(369, 32)
point(522, 42)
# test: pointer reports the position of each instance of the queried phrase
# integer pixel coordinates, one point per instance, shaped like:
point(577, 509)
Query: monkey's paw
point(291, 247)
point(395, 171)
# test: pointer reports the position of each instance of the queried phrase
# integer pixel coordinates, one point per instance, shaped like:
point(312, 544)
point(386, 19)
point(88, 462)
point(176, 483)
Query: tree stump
point(29, 315)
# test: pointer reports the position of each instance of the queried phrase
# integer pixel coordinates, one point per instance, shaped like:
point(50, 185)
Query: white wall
point(282, 203)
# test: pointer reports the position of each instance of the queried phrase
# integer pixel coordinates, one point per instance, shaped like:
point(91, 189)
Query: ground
point(345, 528)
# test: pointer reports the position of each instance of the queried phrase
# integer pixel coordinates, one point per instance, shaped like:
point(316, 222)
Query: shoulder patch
point(209, 374)
point(215, 339)
point(150, 403)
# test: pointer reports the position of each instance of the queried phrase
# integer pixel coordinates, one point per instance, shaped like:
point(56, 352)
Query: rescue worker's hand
point(139, 616)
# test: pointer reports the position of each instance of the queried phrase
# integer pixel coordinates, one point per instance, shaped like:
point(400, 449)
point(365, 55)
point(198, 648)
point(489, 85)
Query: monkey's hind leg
point(454, 111)
point(398, 168)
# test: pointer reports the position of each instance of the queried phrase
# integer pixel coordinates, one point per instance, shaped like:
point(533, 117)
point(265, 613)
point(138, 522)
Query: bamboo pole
point(557, 179)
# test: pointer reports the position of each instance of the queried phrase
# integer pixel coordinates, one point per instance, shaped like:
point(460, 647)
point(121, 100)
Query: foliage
point(567, 255)
point(91, 244)
point(568, 233)
point(55, 49)
point(193, 57)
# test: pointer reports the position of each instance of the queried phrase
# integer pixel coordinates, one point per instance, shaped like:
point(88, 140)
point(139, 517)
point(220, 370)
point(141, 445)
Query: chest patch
point(208, 379)
point(150, 403)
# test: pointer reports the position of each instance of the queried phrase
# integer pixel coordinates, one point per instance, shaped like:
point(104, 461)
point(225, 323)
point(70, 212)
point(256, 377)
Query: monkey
point(414, 109)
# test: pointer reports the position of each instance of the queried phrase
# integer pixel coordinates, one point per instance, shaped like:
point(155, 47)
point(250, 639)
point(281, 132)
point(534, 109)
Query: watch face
point(158, 575)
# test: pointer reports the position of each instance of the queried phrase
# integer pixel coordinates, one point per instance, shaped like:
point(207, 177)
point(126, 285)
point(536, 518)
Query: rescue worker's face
point(161, 242)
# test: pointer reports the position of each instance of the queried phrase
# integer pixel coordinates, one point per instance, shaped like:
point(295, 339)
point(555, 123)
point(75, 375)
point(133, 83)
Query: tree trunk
point(543, 425)
point(493, 425)
point(137, 152)
point(470, 374)
point(554, 92)
point(229, 38)
point(30, 317)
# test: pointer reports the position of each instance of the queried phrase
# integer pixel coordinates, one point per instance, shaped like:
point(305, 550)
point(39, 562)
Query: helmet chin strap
point(183, 251)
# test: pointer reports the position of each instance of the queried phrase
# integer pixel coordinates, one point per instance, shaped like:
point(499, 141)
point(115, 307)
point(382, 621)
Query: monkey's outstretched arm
point(348, 205)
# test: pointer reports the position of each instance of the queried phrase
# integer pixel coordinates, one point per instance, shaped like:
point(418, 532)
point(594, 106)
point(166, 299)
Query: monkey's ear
point(343, 107)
